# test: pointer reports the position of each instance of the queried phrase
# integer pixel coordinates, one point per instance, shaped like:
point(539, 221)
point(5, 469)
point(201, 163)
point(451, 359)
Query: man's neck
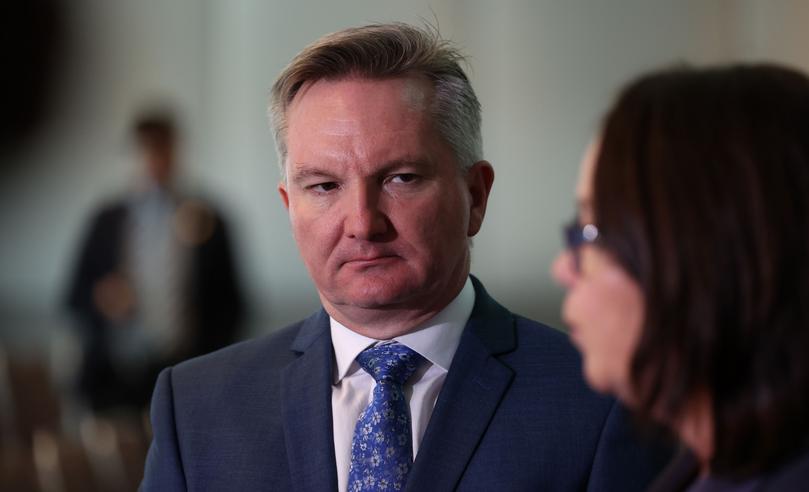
point(389, 322)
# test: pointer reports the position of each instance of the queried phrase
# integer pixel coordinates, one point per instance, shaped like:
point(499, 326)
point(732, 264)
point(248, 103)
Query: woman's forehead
point(584, 186)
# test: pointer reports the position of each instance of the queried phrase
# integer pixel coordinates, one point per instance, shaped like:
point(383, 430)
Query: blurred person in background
point(155, 281)
point(687, 271)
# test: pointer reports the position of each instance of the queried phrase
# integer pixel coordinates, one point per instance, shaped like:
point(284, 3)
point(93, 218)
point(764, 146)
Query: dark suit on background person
point(514, 414)
point(211, 300)
point(151, 239)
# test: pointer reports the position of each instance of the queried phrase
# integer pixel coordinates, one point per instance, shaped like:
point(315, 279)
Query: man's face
point(158, 155)
point(378, 206)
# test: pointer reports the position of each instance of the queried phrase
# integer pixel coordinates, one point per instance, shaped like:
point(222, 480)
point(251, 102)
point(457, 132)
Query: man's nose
point(364, 217)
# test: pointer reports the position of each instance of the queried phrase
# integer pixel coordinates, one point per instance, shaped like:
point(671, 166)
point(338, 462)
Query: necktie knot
point(392, 363)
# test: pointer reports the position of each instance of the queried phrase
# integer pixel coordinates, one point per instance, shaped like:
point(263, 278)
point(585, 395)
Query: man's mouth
point(371, 260)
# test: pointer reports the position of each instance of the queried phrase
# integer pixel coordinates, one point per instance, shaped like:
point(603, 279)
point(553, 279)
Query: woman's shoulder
point(794, 475)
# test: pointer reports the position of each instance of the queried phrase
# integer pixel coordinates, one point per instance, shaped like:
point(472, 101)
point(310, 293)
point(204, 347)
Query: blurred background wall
point(544, 72)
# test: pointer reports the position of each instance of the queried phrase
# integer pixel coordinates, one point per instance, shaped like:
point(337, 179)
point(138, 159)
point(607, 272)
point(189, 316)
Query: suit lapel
point(475, 384)
point(306, 397)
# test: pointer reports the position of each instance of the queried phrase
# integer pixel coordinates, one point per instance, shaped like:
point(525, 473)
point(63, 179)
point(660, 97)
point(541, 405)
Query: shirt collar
point(436, 339)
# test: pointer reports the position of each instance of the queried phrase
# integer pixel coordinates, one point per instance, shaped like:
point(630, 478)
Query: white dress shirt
point(157, 266)
point(436, 340)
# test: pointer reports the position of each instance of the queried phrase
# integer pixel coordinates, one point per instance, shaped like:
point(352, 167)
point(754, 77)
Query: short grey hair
point(381, 51)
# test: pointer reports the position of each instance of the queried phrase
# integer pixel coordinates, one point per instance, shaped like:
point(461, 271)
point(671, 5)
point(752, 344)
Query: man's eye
point(323, 187)
point(403, 178)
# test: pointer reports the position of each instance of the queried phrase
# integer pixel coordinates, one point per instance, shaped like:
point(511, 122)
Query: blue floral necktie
point(382, 447)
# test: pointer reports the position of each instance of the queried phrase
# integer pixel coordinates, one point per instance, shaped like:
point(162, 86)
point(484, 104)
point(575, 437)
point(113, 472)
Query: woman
point(687, 270)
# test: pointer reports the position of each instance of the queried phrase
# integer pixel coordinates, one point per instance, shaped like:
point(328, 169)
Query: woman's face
point(603, 306)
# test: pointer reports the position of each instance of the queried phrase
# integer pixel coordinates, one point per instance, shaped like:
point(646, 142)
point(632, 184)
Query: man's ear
point(479, 179)
point(282, 190)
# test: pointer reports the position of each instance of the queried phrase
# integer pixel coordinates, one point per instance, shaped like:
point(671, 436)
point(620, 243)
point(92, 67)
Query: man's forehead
point(361, 120)
point(362, 109)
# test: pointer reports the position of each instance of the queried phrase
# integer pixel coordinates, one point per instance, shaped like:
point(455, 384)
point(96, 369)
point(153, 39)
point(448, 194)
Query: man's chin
point(379, 303)
point(380, 296)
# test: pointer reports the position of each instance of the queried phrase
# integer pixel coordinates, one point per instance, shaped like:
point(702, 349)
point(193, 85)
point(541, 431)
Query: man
point(155, 281)
point(378, 132)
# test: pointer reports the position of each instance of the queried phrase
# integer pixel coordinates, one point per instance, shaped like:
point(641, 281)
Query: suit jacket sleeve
point(99, 254)
point(215, 290)
point(164, 468)
point(621, 461)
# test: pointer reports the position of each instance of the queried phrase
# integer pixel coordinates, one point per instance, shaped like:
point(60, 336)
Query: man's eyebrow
point(304, 172)
point(420, 164)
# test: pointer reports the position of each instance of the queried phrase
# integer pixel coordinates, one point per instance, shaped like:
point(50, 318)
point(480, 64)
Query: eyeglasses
point(575, 235)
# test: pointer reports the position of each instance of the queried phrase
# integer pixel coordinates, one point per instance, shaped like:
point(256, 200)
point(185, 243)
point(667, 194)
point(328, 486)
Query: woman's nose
point(563, 268)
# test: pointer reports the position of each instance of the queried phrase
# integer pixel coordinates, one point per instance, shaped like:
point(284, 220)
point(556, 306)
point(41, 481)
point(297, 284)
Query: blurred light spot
point(98, 436)
point(46, 451)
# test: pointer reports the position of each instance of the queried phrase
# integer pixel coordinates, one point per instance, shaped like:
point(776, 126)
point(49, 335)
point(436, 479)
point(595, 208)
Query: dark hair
point(380, 51)
point(701, 192)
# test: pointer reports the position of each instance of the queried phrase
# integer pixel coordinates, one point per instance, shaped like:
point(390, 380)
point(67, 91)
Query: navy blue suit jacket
point(514, 414)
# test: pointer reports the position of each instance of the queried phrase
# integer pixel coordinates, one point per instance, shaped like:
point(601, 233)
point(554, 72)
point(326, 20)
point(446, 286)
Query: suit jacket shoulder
point(99, 253)
point(244, 361)
point(792, 476)
point(220, 421)
point(683, 470)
